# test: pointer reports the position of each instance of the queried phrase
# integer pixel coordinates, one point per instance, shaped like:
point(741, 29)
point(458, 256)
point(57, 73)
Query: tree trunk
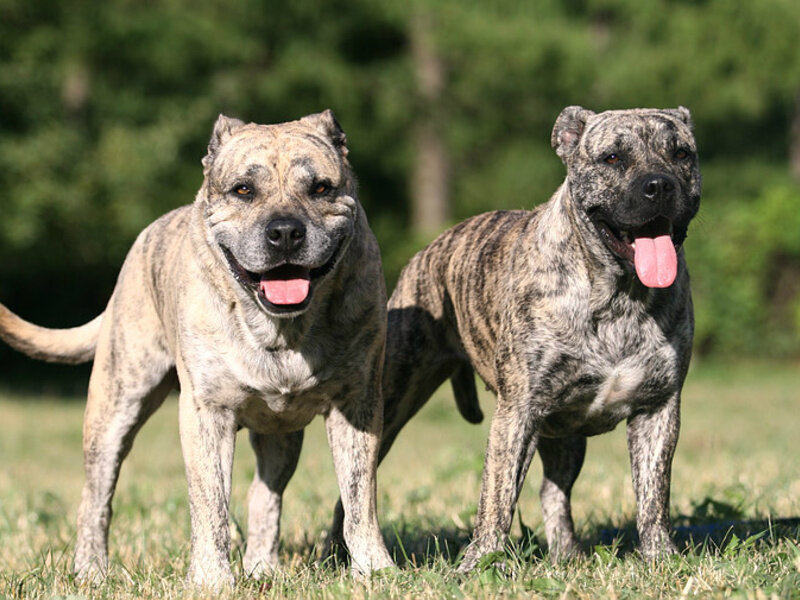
point(794, 141)
point(429, 180)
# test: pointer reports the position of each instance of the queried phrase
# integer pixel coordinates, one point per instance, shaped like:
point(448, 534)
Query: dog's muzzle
point(650, 233)
point(285, 290)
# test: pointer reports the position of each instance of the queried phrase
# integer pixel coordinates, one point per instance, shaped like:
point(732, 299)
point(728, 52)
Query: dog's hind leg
point(562, 459)
point(130, 379)
point(418, 360)
point(133, 372)
point(276, 458)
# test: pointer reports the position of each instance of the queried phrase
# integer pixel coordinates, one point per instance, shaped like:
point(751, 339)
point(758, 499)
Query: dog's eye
point(243, 190)
point(612, 159)
point(320, 188)
point(682, 154)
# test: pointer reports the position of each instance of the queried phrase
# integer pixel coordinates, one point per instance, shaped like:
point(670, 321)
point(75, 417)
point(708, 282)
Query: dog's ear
point(568, 130)
point(326, 123)
point(682, 114)
point(223, 129)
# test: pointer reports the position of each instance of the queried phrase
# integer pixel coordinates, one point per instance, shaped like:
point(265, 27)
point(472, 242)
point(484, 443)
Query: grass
point(735, 504)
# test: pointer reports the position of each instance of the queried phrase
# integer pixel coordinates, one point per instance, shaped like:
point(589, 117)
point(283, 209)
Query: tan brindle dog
point(265, 300)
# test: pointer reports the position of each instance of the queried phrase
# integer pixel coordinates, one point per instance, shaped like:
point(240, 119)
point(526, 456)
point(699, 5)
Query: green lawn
point(736, 477)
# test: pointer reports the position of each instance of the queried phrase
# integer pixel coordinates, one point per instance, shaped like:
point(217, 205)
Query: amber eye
point(612, 159)
point(681, 154)
point(243, 190)
point(320, 188)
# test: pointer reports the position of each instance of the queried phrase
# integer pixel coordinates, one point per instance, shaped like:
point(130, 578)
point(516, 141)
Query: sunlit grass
point(736, 485)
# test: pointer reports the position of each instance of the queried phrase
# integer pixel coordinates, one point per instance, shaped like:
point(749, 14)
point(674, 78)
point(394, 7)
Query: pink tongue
point(656, 261)
point(285, 291)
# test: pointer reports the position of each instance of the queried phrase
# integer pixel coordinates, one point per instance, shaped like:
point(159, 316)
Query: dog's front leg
point(651, 443)
point(512, 442)
point(208, 434)
point(354, 437)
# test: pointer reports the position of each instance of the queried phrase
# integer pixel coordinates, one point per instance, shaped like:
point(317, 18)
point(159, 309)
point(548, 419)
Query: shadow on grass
point(712, 526)
point(710, 537)
point(414, 546)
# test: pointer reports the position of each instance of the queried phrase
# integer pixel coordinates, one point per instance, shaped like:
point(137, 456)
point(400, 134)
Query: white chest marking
point(617, 389)
point(290, 373)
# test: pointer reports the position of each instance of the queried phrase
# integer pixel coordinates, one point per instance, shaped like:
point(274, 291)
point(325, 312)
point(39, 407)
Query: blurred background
point(106, 109)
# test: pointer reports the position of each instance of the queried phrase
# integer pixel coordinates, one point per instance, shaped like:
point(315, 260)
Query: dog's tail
point(70, 346)
point(463, 382)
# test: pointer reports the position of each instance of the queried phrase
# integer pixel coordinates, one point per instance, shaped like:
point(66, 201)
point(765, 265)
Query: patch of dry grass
point(736, 474)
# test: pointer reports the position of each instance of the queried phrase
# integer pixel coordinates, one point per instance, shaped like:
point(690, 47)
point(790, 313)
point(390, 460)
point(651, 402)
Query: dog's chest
point(287, 374)
point(618, 392)
point(283, 376)
point(620, 368)
point(279, 390)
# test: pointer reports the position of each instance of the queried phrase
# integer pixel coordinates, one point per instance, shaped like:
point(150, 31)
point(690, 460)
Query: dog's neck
point(608, 277)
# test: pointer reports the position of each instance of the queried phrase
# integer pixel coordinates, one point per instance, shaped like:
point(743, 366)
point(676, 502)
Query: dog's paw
point(334, 552)
point(478, 556)
point(656, 546)
point(91, 574)
point(90, 565)
point(259, 567)
point(210, 578)
point(378, 560)
point(565, 551)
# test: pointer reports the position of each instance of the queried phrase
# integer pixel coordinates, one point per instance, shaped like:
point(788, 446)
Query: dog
point(577, 315)
point(264, 300)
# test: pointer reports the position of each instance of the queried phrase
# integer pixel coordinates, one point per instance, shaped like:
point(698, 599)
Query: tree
point(429, 177)
point(106, 109)
point(794, 140)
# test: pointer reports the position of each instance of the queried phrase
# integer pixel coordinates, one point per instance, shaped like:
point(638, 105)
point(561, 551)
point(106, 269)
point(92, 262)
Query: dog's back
point(444, 315)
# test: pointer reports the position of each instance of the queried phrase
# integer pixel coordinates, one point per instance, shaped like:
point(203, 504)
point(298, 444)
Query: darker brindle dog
point(577, 315)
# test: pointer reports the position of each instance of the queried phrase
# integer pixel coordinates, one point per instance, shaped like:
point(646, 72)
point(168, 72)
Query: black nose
point(286, 234)
point(658, 187)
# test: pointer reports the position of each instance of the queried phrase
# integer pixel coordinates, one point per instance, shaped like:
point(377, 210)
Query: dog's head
point(279, 206)
point(635, 176)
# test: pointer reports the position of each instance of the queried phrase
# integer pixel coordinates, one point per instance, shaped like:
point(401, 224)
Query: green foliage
point(745, 257)
point(106, 108)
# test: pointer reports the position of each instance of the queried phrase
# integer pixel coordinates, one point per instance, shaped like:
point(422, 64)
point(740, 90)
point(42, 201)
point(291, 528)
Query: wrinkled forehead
point(635, 129)
point(279, 149)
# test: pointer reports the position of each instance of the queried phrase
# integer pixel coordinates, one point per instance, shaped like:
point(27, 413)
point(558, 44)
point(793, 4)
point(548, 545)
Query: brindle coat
point(558, 326)
point(187, 308)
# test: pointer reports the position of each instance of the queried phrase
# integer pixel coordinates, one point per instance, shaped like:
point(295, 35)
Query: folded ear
point(223, 129)
point(326, 123)
point(568, 130)
point(682, 113)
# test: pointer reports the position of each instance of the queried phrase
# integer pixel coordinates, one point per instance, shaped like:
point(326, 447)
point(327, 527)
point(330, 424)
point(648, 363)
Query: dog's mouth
point(651, 248)
point(285, 289)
